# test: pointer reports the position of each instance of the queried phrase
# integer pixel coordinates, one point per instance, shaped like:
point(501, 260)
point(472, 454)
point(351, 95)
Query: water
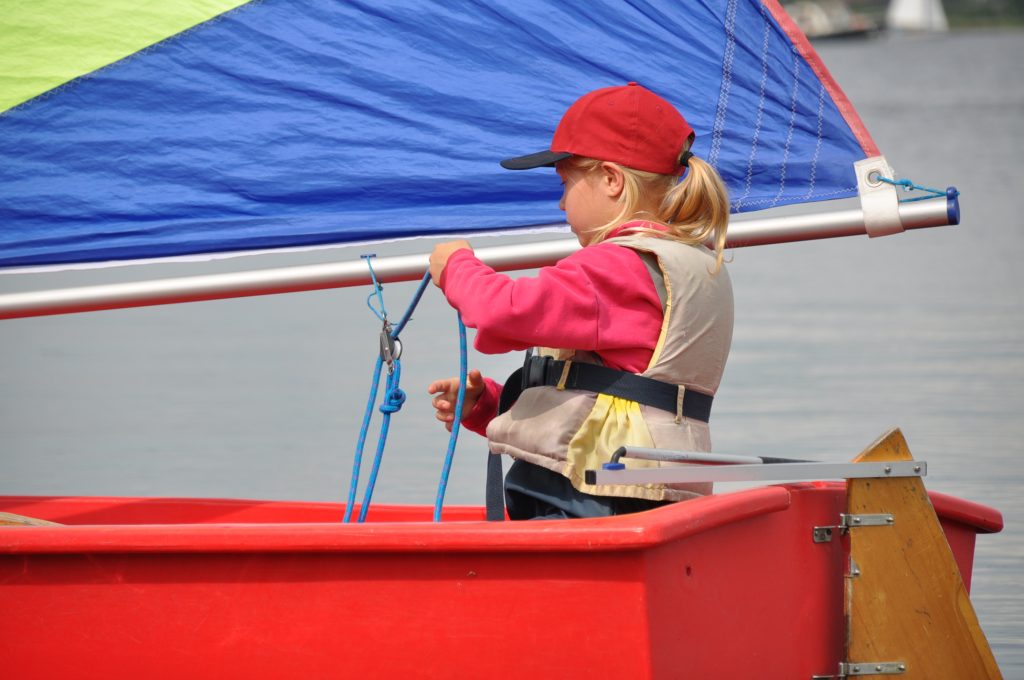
point(836, 341)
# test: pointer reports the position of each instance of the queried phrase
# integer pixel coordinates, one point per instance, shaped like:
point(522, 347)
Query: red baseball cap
point(628, 125)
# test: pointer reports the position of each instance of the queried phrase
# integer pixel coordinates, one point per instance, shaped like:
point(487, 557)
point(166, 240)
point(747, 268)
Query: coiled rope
point(394, 398)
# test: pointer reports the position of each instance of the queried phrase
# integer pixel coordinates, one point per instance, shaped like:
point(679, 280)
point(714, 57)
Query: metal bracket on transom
point(823, 534)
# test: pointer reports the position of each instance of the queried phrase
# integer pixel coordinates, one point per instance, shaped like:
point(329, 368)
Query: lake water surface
point(836, 342)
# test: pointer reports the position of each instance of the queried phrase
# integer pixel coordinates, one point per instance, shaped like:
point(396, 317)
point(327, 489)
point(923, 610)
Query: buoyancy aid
point(569, 431)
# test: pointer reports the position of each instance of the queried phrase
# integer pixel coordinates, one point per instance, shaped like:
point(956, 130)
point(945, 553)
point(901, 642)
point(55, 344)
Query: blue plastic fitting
point(953, 205)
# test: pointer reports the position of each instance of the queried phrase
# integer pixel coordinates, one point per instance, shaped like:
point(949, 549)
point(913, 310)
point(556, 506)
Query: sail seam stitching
point(723, 95)
point(817, 146)
point(838, 192)
point(789, 133)
point(760, 112)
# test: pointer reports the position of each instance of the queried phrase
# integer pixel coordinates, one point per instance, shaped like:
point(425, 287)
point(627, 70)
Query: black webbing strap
point(539, 371)
point(494, 490)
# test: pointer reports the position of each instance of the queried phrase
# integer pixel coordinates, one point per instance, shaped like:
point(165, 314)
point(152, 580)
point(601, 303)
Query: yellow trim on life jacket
point(656, 355)
point(611, 423)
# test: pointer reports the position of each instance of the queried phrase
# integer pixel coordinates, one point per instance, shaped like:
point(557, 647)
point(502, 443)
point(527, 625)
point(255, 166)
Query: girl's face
point(586, 199)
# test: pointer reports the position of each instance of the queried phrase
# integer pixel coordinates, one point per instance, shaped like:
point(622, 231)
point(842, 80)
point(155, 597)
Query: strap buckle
point(535, 370)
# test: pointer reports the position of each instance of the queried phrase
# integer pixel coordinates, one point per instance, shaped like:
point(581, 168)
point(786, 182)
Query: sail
point(145, 129)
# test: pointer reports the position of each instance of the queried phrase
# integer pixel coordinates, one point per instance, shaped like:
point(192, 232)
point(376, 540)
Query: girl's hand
point(439, 258)
point(446, 393)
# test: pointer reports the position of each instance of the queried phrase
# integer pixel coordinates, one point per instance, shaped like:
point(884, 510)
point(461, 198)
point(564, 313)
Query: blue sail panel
point(284, 123)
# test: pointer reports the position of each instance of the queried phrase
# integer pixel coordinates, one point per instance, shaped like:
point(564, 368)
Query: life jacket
point(570, 431)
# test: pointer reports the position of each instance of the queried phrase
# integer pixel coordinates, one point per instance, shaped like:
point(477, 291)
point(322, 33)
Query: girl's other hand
point(446, 393)
point(439, 258)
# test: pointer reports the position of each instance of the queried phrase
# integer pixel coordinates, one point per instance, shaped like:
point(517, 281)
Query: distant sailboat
point(821, 19)
point(916, 15)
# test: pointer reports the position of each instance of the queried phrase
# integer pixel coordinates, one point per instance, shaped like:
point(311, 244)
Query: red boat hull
point(727, 586)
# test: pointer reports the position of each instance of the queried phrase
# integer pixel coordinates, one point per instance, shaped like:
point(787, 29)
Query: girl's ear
point(612, 180)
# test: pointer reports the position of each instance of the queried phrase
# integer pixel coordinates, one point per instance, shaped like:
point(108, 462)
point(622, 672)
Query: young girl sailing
point(645, 304)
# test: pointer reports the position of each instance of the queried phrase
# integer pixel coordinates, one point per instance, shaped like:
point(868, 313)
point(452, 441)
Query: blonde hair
point(693, 210)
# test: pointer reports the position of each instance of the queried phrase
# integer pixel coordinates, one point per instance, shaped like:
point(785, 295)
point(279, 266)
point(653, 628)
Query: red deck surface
point(728, 586)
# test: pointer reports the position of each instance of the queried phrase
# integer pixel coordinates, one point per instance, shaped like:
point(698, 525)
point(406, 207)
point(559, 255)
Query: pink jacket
point(601, 298)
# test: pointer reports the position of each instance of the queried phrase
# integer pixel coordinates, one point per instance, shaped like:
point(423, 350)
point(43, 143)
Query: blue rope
point(456, 423)
point(910, 186)
point(412, 305)
point(358, 460)
point(393, 400)
point(378, 289)
point(394, 397)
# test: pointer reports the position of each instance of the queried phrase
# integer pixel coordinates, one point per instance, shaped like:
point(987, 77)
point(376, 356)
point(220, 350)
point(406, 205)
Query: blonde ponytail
point(695, 210)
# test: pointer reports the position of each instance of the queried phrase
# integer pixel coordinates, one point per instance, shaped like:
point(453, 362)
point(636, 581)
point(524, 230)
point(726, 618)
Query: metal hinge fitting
point(847, 522)
point(865, 669)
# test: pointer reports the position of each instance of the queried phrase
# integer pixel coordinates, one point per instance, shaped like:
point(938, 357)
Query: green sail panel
point(46, 43)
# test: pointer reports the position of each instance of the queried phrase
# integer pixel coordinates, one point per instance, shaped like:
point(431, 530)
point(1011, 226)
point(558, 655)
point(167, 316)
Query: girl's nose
point(561, 202)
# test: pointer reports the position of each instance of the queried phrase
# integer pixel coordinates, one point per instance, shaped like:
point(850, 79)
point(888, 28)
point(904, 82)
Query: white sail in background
point(916, 15)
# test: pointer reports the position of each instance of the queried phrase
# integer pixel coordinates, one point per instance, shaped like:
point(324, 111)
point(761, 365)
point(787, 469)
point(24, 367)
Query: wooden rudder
point(905, 599)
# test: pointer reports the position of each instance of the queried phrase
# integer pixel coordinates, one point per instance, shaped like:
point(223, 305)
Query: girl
point(641, 316)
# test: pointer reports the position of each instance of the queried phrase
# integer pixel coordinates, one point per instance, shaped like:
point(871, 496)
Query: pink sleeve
point(600, 298)
point(485, 410)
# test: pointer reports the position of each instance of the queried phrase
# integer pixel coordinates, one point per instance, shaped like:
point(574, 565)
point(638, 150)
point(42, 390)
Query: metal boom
point(742, 233)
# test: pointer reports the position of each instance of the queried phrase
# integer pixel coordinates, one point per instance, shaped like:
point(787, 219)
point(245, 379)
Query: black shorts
point(533, 492)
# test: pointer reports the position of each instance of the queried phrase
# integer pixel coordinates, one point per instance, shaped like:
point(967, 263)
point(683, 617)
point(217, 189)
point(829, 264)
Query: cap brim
point(541, 159)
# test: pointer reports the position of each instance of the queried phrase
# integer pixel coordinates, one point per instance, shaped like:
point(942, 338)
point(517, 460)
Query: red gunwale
point(222, 525)
point(412, 532)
